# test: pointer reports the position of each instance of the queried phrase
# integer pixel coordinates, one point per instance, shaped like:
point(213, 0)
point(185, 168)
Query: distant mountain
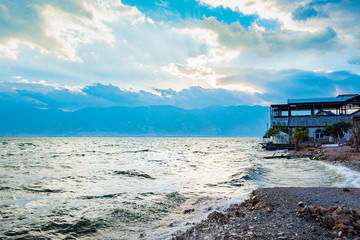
point(217, 121)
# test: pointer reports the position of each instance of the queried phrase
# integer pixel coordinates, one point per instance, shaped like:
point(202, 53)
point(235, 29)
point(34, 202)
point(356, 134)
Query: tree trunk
point(357, 144)
point(296, 145)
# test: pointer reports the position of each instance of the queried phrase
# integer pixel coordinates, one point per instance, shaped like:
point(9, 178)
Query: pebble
point(343, 220)
point(268, 210)
point(257, 223)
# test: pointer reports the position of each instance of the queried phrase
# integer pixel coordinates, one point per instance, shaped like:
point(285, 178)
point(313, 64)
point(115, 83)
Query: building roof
point(319, 103)
point(320, 100)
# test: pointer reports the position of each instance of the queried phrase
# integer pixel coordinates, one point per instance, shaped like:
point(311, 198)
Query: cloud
point(183, 45)
point(272, 86)
point(193, 97)
point(60, 26)
point(279, 85)
point(280, 11)
point(122, 97)
point(268, 43)
point(99, 95)
point(355, 60)
point(304, 12)
point(303, 15)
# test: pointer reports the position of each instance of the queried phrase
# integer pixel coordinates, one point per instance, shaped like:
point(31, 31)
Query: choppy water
point(127, 188)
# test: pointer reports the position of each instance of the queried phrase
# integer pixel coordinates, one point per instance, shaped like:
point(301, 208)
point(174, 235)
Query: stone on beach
point(275, 213)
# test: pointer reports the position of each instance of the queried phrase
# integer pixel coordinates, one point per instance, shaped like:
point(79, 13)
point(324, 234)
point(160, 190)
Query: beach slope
point(285, 213)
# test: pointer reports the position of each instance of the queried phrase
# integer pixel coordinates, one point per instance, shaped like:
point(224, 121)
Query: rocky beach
point(344, 155)
point(285, 213)
point(291, 213)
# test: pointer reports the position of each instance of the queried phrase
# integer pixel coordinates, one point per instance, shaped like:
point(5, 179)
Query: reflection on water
point(124, 188)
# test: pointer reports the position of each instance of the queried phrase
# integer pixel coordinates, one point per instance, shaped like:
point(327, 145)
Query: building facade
point(315, 113)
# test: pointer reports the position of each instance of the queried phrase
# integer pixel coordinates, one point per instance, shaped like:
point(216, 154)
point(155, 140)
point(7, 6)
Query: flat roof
point(320, 100)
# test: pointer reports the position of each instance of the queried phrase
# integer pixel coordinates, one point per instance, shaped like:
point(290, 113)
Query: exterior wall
point(316, 121)
point(312, 132)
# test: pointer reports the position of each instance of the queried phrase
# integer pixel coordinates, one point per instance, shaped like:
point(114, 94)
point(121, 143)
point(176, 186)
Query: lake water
point(131, 188)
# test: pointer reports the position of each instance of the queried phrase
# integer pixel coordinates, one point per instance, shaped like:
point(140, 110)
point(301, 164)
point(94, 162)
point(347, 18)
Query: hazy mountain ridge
point(159, 121)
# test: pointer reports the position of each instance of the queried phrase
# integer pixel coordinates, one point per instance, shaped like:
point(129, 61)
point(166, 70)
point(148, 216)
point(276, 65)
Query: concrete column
point(289, 111)
point(313, 110)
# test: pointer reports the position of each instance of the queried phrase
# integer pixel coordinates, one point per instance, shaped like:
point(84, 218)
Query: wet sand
point(273, 213)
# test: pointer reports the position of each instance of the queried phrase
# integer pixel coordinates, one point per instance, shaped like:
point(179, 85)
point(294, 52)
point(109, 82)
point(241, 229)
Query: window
point(318, 134)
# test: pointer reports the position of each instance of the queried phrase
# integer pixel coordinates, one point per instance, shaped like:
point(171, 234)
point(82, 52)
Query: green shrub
point(276, 129)
point(300, 135)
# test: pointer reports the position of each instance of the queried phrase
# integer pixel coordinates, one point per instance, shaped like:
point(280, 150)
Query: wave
point(130, 216)
point(39, 190)
point(62, 229)
point(133, 174)
point(351, 178)
point(175, 197)
point(83, 226)
point(251, 174)
point(114, 195)
point(139, 151)
point(201, 152)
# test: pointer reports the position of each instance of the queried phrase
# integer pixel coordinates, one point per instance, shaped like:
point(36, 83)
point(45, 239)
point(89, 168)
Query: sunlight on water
point(125, 188)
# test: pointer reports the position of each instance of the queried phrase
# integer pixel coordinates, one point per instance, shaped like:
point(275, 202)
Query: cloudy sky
point(70, 54)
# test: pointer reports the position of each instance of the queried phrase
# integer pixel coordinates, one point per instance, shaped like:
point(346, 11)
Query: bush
point(276, 129)
point(300, 135)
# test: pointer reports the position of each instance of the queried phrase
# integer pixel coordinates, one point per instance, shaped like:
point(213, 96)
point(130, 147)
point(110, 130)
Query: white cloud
point(266, 9)
point(337, 15)
point(118, 44)
point(56, 29)
point(201, 35)
point(267, 43)
point(241, 88)
point(8, 49)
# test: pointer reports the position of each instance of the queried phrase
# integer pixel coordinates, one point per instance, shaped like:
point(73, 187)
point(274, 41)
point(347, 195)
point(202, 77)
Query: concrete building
point(315, 113)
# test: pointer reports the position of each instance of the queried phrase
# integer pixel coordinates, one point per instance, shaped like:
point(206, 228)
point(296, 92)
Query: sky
point(72, 54)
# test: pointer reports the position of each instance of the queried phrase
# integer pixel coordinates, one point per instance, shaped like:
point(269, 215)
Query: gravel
point(272, 213)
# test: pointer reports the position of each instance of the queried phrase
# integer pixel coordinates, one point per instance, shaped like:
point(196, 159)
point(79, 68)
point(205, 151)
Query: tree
point(340, 128)
point(356, 132)
point(327, 130)
point(337, 130)
point(300, 135)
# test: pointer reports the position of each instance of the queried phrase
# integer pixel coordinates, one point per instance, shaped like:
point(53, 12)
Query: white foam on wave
point(351, 178)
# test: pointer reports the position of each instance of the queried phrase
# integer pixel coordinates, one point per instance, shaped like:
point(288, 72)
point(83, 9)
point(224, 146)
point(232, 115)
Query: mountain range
point(154, 121)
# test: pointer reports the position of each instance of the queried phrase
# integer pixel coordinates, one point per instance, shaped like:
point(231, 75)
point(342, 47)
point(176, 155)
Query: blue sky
point(71, 54)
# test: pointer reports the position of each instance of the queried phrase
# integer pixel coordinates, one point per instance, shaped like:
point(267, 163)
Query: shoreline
point(284, 213)
point(290, 212)
point(345, 155)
